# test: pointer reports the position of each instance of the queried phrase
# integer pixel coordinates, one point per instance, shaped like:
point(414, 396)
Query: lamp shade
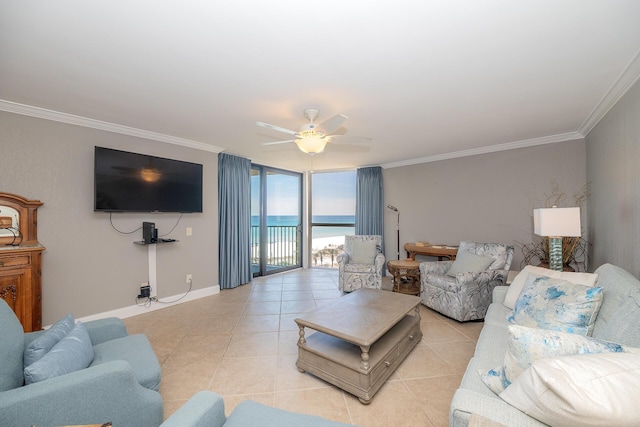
point(557, 222)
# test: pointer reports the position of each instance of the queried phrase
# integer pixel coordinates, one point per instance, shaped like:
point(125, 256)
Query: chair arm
point(435, 267)
point(379, 262)
point(107, 392)
point(204, 409)
point(343, 258)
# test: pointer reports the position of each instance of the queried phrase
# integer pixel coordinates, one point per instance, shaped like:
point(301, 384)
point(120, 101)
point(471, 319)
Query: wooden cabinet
point(21, 259)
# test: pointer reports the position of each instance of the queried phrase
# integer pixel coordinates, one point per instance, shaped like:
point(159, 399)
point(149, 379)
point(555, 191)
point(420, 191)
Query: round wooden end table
point(406, 276)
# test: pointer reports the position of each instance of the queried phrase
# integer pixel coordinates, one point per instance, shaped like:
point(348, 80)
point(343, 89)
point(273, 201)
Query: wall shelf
point(159, 242)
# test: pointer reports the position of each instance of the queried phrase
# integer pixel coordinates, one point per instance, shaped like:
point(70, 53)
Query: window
point(333, 210)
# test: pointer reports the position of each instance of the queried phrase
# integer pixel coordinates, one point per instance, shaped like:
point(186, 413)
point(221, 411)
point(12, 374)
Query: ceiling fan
point(312, 138)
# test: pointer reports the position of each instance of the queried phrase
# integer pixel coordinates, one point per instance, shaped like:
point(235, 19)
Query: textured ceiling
point(424, 79)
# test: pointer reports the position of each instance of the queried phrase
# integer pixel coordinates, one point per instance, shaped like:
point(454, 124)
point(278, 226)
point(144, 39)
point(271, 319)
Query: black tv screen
point(131, 182)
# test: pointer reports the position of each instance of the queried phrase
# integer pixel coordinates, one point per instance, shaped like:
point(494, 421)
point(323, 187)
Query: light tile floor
point(241, 344)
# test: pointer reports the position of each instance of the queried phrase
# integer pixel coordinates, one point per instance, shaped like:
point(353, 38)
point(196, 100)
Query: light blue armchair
point(361, 264)
point(119, 386)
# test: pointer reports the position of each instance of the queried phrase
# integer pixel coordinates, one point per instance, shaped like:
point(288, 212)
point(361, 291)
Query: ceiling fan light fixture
point(312, 144)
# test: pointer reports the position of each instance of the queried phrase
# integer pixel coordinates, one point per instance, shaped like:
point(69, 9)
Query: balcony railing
point(283, 246)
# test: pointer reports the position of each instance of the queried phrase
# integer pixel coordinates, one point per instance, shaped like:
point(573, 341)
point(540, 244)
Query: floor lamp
point(556, 223)
point(393, 208)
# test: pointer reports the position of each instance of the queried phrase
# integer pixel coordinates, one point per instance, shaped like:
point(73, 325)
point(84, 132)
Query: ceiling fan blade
point(278, 142)
point(277, 128)
point(349, 139)
point(331, 125)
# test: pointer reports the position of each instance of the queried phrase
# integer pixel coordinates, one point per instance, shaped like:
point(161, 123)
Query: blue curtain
point(369, 201)
point(234, 221)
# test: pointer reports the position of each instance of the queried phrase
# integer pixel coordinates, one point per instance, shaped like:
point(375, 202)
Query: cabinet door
point(13, 290)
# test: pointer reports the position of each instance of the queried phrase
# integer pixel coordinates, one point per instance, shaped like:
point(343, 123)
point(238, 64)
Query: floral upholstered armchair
point(462, 289)
point(361, 264)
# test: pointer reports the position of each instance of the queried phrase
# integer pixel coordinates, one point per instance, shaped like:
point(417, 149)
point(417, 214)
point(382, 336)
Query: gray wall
point(613, 155)
point(88, 267)
point(487, 198)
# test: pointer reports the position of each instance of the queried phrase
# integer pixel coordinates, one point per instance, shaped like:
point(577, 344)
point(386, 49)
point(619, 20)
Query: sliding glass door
point(276, 220)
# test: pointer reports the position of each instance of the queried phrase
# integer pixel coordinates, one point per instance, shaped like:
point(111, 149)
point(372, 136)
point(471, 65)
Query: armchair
point(119, 386)
point(361, 264)
point(465, 295)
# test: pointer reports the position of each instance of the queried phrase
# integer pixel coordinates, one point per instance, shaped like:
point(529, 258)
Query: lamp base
point(555, 253)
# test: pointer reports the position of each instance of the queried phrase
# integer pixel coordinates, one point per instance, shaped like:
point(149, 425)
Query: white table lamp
point(556, 223)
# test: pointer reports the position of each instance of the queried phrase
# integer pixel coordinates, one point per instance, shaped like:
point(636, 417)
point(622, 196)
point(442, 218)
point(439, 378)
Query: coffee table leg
point(302, 340)
point(364, 365)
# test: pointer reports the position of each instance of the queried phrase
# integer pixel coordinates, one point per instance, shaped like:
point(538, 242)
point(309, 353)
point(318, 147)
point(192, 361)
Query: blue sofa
point(120, 385)
point(206, 409)
point(618, 321)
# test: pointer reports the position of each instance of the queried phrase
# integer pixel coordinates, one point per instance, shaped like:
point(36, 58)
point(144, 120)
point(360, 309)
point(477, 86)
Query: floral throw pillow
point(556, 304)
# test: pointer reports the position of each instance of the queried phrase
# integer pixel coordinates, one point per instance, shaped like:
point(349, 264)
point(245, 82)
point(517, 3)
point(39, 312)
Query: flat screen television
point(131, 182)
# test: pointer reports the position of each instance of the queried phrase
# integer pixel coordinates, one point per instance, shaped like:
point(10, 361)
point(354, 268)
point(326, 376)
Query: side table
point(410, 271)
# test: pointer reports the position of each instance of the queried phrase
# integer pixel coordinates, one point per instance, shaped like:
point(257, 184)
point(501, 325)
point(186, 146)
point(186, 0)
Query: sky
point(333, 193)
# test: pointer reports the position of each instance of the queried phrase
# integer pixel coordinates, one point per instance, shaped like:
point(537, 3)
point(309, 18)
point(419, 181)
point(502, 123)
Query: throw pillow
point(45, 342)
point(586, 279)
point(527, 345)
point(586, 390)
point(363, 252)
point(468, 262)
point(71, 353)
point(557, 304)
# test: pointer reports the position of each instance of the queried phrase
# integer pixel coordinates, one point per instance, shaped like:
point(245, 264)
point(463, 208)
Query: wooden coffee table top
point(360, 317)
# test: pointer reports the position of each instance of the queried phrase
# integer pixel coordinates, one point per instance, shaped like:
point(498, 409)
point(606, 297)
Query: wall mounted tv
point(131, 182)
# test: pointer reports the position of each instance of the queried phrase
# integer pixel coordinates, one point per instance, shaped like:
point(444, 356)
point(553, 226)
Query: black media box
point(149, 232)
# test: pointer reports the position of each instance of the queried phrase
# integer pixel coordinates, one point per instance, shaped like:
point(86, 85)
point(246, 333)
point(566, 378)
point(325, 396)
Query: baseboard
point(135, 310)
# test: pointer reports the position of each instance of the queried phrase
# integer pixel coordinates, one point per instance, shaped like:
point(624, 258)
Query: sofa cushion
point(529, 344)
point(45, 342)
point(250, 413)
point(586, 390)
point(11, 349)
point(469, 262)
point(363, 252)
point(586, 279)
point(135, 350)
point(619, 317)
point(70, 354)
point(557, 304)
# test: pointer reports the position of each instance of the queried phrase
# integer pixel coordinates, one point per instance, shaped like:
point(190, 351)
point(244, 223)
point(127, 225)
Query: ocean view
point(326, 239)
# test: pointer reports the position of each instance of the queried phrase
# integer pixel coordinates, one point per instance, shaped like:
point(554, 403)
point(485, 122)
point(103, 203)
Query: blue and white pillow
point(556, 304)
point(527, 345)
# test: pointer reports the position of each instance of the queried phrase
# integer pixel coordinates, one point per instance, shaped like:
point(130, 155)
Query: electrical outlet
point(189, 231)
point(145, 291)
point(189, 278)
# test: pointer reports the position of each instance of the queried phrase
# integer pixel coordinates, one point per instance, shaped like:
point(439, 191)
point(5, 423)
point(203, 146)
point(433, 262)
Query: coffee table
point(360, 339)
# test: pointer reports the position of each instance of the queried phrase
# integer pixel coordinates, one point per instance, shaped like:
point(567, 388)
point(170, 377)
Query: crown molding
point(56, 116)
point(627, 79)
point(569, 136)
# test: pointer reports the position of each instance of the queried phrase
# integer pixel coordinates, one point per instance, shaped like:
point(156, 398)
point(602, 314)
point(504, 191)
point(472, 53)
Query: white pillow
point(587, 390)
point(526, 345)
point(586, 279)
point(363, 252)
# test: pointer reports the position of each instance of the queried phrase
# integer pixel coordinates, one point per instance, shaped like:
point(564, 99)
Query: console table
point(441, 252)
point(21, 259)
